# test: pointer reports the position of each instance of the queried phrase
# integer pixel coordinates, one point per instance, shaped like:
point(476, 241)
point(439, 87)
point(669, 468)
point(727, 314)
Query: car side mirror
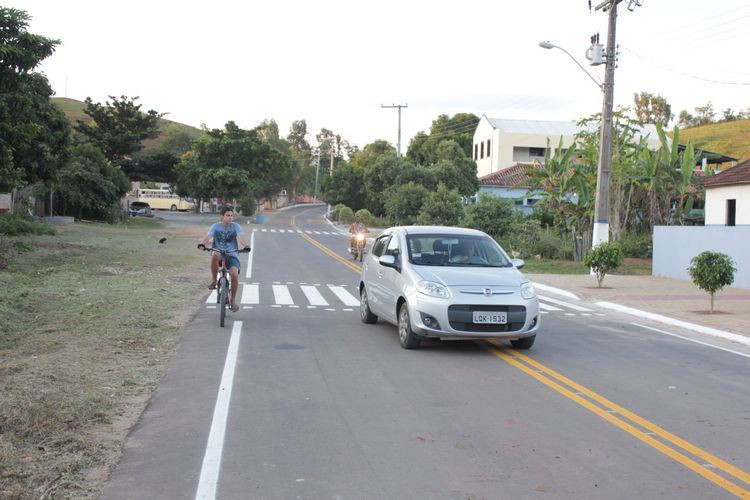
point(518, 263)
point(388, 261)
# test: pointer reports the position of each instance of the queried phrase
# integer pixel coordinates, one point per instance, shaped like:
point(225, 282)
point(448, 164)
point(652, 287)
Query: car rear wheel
point(523, 343)
point(173, 208)
point(364, 308)
point(406, 336)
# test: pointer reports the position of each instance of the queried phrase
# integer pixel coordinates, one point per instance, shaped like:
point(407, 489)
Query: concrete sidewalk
point(676, 299)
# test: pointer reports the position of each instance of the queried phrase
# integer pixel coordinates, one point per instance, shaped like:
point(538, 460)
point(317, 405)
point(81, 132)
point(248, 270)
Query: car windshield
point(455, 250)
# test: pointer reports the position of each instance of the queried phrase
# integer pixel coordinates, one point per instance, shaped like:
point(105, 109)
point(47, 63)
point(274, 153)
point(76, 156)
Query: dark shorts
point(233, 262)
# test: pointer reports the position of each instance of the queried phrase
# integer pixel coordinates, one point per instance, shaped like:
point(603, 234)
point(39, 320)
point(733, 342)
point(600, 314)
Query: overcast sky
point(334, 63)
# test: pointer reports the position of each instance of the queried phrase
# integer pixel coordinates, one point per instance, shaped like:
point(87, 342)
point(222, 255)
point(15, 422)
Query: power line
point(682, 73)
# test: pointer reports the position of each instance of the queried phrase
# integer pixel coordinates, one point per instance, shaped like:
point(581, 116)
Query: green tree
point(232, 164)
point(345, 186)
point(712, 271)
point(34, 133)
point(460, 128)
point(403, 203)
point(650, 108)
point(177, 140)
point(603, 259)
point(90, 185)
point(442, 207)
point(117, 128)
point(304, 171)
point(493, 215)
point(378, 176)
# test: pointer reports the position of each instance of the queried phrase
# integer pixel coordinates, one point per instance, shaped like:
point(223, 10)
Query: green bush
point(403, 203)
point(14, 225)
point(336, 211)
point(548, 246)
point(345, 215)
point(493, 215)
point(604, 258)
point(366, 216)
point(442, 207)
point(637, 245)
point(712, 271)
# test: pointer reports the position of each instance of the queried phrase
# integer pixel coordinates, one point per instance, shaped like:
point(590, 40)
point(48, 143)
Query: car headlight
point(433, 289)
point(527, 290)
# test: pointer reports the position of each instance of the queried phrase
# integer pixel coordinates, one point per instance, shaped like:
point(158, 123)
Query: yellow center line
point(642, 436)
point(325, 249)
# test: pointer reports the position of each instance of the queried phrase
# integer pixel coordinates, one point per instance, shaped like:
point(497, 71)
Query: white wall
point(675, 247)
point(716, 204)
point(483, 133)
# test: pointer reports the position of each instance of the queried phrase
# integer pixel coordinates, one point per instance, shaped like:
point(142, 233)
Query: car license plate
point(490, 317)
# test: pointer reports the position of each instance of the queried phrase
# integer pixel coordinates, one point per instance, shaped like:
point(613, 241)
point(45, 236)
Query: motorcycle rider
point(357, 227)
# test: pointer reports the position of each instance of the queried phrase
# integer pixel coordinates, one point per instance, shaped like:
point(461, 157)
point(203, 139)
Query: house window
point(538, 152)
point(488, 147)
point(731, 212)
point(481, 149)
point(476, 149)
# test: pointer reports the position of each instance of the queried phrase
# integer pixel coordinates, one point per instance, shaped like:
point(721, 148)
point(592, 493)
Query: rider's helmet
point(357, 219)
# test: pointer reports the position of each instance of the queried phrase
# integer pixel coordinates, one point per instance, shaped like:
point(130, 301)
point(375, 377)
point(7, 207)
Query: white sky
point(335, 62)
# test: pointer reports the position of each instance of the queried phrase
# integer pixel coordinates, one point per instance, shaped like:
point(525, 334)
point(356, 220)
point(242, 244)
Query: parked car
point(140, 208)
point(447, 283)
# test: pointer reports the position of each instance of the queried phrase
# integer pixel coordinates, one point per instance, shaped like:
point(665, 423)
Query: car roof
point(438, 230)
point(139, 203)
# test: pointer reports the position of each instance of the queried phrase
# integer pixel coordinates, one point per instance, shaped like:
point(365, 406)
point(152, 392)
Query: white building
point(501, 143)
point(728, 197)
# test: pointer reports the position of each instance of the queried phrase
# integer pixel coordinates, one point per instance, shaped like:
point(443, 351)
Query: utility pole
point(601, 209)
point(399, 106)
point(317, 173)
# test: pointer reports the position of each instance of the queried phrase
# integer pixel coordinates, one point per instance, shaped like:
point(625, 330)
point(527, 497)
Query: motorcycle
point(357, 246)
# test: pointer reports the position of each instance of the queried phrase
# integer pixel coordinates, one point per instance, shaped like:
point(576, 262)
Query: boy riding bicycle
point(226, 235)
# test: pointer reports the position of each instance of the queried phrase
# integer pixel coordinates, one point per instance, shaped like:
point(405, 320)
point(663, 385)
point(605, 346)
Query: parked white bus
point(163, 199)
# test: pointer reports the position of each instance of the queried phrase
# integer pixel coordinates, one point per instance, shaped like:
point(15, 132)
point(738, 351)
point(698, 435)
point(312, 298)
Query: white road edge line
point(556, 291)
point(564, 304)
point(212, 458)
point(740, 339)
point(692, 340)
point(250, 256)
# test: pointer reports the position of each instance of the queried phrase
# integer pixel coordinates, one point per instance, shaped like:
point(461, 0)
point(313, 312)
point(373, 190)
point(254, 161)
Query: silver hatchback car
point(448, 283)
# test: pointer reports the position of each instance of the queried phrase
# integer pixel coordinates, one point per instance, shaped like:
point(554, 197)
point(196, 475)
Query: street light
point(548, 45)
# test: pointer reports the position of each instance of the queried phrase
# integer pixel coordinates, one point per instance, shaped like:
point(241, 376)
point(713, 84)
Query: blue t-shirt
point(225, 238)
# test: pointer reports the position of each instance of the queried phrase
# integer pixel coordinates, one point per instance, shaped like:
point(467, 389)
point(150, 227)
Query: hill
point(73, 109)
point(728, 138)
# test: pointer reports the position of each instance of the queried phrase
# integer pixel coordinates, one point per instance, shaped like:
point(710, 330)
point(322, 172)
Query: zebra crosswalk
point(343, 297)
point(294, 295)
point(297, 231)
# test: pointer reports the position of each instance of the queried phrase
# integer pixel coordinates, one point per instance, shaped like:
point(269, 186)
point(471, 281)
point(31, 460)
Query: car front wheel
point(364, 308)
point(406, 336)
point(524, 343)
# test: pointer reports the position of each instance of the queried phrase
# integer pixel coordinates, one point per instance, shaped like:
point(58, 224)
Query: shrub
point(604, 258)
point(493, 215)
point(345, 215)
point(442, 207)
point(712, 271)
point(336, 211)
point(14, 225)
point(637, 245)
point(548, 246)
point(365, 215)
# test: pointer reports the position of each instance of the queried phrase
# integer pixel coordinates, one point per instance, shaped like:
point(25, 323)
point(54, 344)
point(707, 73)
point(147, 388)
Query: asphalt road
point(316, 404)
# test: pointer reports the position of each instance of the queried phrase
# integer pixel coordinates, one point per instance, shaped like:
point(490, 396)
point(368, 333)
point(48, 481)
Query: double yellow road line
point(662, 440)
point(649, 433)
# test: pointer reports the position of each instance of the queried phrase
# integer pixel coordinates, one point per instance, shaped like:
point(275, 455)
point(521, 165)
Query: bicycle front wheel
point(223, 299)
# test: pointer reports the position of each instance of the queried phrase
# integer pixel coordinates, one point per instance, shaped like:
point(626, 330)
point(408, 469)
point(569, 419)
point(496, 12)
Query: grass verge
point(88, 318)
point(631, 266)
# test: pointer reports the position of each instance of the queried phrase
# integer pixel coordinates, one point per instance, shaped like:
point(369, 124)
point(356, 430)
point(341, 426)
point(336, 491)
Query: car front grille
point(461, 318)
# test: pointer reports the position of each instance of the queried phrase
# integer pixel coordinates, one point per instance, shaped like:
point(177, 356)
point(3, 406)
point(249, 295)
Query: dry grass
point(729, 138)
point(88, 319)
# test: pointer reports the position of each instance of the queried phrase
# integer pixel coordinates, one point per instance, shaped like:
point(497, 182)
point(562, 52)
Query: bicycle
point(222, 283)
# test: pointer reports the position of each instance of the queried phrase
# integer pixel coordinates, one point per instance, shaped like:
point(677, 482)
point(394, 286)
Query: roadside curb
point(734, 337)
point(714, 332)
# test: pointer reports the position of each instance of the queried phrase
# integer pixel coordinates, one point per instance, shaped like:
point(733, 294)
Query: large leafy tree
point(304, 166)
point(118, 127)
point(345, 186)
point(442, 207)
point(33, 132)
point(459, 128)
point(650, 108)
point(232, 164)
point(90, 185)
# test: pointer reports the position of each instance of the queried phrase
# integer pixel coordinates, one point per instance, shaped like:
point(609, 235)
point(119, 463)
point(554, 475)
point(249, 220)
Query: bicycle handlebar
point(223, 252)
